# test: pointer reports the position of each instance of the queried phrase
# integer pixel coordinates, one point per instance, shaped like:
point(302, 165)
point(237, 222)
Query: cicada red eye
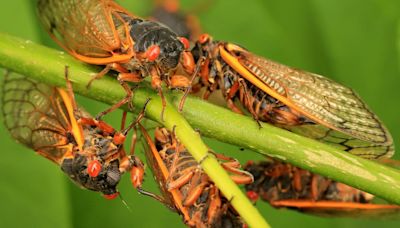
point(153, 52)
point(185, 42)
point(94, 168)
point(204, 38)
point(252, 195)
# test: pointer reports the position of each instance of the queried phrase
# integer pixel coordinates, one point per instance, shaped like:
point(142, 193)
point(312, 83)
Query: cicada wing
point(90, 28)
point(324, 101)
point(157, 166)
point(343, 141)
point(342, 209)
point(36, 116)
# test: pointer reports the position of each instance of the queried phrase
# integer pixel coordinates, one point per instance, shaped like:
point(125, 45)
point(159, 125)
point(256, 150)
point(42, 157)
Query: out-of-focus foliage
point(355, 42)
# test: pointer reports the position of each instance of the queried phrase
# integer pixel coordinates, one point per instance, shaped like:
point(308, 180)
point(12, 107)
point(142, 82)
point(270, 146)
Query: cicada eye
point(153, 52)
point(185, 42)
point(94, 168)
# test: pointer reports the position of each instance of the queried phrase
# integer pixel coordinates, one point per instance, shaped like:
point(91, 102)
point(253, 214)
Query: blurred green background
point(356, 42)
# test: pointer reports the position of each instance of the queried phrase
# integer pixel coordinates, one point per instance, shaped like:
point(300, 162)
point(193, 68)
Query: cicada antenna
point(125, 203)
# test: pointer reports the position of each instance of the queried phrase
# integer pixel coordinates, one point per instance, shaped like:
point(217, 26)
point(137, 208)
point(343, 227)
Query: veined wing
point(323, 101)
point(37, 116)
point(87, 28)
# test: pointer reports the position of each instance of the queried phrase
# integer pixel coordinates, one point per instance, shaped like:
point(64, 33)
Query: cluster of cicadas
point(48, 120)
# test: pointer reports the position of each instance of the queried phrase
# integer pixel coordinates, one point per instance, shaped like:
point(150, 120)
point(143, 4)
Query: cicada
point(103, 33)
point(302, 102)
point(48, 120)
point(286, 186)
point(185, 186)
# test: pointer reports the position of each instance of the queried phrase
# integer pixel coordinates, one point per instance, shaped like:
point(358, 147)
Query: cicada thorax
point(47, 120)
point(284, 185)
point(299, 101)
point(148, 34)
point(184, 185)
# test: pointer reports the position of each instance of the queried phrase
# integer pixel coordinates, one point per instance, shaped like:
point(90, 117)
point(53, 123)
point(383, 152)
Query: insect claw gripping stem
point(139, 117)
point(164, 102)
point(126, 99)
point(99, 75)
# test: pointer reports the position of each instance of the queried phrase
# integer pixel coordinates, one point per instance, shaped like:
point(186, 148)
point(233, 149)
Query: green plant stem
point(47, 65)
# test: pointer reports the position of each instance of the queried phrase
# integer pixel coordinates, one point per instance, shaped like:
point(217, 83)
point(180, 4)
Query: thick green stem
point(47, 65)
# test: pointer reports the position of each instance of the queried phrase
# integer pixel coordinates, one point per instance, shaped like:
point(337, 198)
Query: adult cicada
point(185, 186)
point(48, 120)
point(299, 101)
point(286, 186)
point(103, 33)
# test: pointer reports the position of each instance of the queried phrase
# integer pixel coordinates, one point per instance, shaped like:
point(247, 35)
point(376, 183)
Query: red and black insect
point(302, 102)
point(286, 186)
point(103, 33)
point(48, 120)
point(185, 187)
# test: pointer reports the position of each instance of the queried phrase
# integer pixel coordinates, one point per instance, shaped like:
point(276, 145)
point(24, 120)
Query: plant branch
point(47, 65)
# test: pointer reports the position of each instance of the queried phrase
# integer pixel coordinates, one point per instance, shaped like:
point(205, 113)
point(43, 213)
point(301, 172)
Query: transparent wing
point(327, 103)
point(85, 27)
point(343, 141)
point(36, 116)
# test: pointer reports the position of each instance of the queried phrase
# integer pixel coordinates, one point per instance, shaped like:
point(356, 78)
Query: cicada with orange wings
point(185, 186)
point(103, 33)
point(286, 186)
point(47, 120)
point(302, 102)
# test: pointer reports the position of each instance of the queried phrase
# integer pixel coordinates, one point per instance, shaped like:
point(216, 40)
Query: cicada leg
point(247, 100)
point(198, 183)
point(156, 83)
point(188, 65)
point(232, 165)
point(214, 204)
point(122, 79)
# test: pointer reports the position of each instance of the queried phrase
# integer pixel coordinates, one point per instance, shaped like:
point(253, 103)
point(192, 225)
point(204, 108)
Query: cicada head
point(97, 166)
point(106, 180)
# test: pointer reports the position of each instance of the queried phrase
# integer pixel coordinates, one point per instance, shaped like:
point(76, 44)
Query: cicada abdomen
point(302, 102)
point(286, 186)
point(47, 120)
point(186, 188)
point(103, 33)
